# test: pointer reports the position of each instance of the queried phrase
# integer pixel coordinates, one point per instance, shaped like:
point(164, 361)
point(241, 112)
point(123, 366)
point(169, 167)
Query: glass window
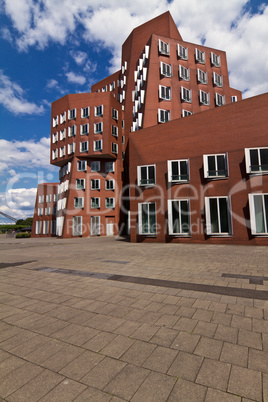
point(146, 175)
point(163, 47)
point(179, 217)
point(147, 218)
point(258, 206)
point(182, 52)
point(166, 69)
point(178, 170)
point(215, 166)
point(256, 160)
point(81, 166)
point(218, 216)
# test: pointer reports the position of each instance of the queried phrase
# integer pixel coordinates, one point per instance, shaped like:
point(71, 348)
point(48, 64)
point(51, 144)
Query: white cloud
point(18, 203)
point(79, 57)
point(75, 78)
point(52, 83)
point(12, 97)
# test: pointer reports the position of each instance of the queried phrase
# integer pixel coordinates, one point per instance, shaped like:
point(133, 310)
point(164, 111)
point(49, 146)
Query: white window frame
point(109, 184)
point(208, 216)
point(165, 69)
point(114, 148)
point(114, 131)
point(77, 226)
point(184, 73)
point(148, 183)
point(224, 174)
point(45, 227)
point(62, 117)
point(85, 112)
point(72, 114)
point(164, 92)
point(261, 213)
point(55, 121)
point(62, 151)
point(82, 166)
point(109, 169)
point(186, 95)
point(95, 225)
point(180, 178)
point(163, 116)
point(200, 56)
point(202, 76)
point(72, 131)
point(98, 127)
point(95, 148)
point(142, 224)
point(41, 199)
point(78, 202)
point(260, 170)
point(219, 99)
point(47, 211)
point(95, 184)
point(163, 47)
point(62, 134)
point(48, 198)
point(114, 114)
point(80, 184)
point(217, 79)
point(233, 98)
point(84, 129)
point(98, 110)
point(38, 227)
point(40, 212)
point(182, 52)
point(181, 231)
point(95, 202)
point(110, 202)
point(185, 113)
point(215, 59)
point(71, 148)
point(204, 97)
point(55, 137)
point(95, 166)
point(84, 146)
point(54, 154)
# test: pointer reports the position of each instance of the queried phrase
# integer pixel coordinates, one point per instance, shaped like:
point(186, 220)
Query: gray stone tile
point(186, 341)
point(145, 332)
point(138, 353)
point(187, 391)
point(103, 373)
point(210, 348)
point(186, 366)
point(214, 395)
point(164, 336)
point(80, 366)
point(99, 341)
point(234, 354)
point(214, 374)
point(67, 390)
point(185, 324)
point(63, 357)
point(228, 334)
point(250, 339)
point(92, 394)
point(160, 359)
point(205, 328)
point(258, 360)
point(246, 383)
point(157, 387)
point(117, 347)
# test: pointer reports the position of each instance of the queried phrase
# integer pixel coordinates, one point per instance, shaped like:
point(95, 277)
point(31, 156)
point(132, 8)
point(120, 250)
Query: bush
point(23, 235)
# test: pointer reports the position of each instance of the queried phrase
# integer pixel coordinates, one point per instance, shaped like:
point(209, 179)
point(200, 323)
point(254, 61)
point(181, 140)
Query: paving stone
point(117, 347)
point(214, 395)
point(250, 339)
point(265, 387)
point(241, 322)
point(185, 311)
point(103, 373)
point(81, 365)
point(9, 333)
point(254, 312)
point(145, 332)
point(214, 374)
point(92, 394)
point(186, 301)
point(185, 324)
point(60, 359)
point(260, 325)
point(235, 309)
point(127, 328)
point(186, 342)
point(169, 309)
point(138, 353)
point(172, 300)
point(205, 328)
point(234, 354)
point(127, 382)
point(67, 390)
point(186, 366)
point(16, 340)
point(150, 317)
point(246, 383)
point(99, 341)
point(84, 335)
point(228, 334)
point(49, 329)
point(10, 364)
point(156, 388)
point(41, 354)
point(164, 336)
point(167, 320)
point(217, 307)
point(203, 315)
point(187, 391)
point(210, 348)
point(221, 318)
point(201, 304)
point(160, 359)
point(258, 360)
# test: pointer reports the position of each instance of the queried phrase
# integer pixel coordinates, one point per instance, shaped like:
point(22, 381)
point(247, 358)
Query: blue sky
point(50, 48)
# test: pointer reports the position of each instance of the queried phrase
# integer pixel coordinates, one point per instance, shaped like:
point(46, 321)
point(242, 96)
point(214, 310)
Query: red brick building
point(175, 173)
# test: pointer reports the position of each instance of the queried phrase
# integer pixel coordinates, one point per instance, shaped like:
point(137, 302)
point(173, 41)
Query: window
point(55, 121)
point(53, 227)
point(114, 148)
point(123, 124)
point(112, 86)
point(84, 129)
point(186, 95)
point(47, 211)
point(71, 114)
point(81, 166)
point(38, 225)
point(233, 98)
point(45, 227)
point(98, 128)
point(99, 110)
point(215, 166)
point(97, 145)
point(199, 56)
point(184, 73)
point(80, 184)
point(63, 134)
point(77, 227)
point(40, 212)
point(219, 100)
point(95, 225)
point(114, 131)
point(178, 217)
point(146, 175)
point(71, 148)
point(55, 197)
point(218, 216)
point(109, 184)
point(163, 115)
point(182, 52)
point(147, 218)
point(178, 170)
point(62, 151)
point(163, 47)
point(258, 208)
point(48, 198)
point(84, 146)
point(202, 76)
point(256, 160)
point(78, 202)
point(85, 112)
point(54, 138)
point(62, 117)
point(114, 114)
point(41, 199)
point(54, 154)
point(185, 113)
point(95, 184)
point(164, 92)
point(215, 59)
point(204, 97)
point(217, 79)
point(166, 69)
point(71, 131)
point(123, 139)
point(95, 166)
point(109, 202)
point(109, 167)
point(95, 202)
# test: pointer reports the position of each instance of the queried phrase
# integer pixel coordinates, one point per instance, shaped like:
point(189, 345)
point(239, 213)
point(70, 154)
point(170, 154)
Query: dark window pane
point(264, 159)
point(152, 218)
point(254, 160)
point(184, 217)
point(211, 165)
point(223, 215)
point(259, 218)
point(214, 215)
point(266, 210)
point(144, 218)
point(183, 166)
point(221, 165)
point(175, 217)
